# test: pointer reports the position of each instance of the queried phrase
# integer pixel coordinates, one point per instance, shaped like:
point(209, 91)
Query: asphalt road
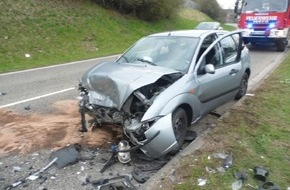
point(39, 88)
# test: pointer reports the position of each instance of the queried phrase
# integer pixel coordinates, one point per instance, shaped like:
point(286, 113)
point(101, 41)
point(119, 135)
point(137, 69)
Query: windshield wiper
point(146, 61)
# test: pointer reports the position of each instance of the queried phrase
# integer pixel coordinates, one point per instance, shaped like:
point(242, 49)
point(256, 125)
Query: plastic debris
point(172, 176)
point(241, 176)
point(201, 182)
point(237, 185)
point(261, 173)
point(268, 185)
point(210, 170)
point(16, 169)
point(84, 179)
point(32, 177)
point(250, 94)
point(125, 180)
point(221, 170)
point(27, 55)
point(65, 156)
point(27, 107)
point(220, 155)
point(228, 162)
point(249, 185)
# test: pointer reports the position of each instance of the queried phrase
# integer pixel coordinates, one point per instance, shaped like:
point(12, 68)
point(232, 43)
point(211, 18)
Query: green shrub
point(150, 10)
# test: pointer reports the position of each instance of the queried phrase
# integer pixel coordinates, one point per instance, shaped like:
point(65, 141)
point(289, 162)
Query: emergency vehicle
point(264, 21)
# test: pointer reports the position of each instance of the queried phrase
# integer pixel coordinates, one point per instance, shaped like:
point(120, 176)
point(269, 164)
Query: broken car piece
point(163, 84)
point(261, 173)
point(268, 186)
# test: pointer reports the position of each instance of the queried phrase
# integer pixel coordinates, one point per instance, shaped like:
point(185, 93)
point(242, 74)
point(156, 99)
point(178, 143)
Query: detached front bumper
point(164, 142)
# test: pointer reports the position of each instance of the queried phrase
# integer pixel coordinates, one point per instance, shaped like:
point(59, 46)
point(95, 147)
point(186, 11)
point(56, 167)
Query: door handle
point(233, 71)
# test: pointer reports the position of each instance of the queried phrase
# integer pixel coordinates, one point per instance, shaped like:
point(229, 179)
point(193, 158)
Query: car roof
point(186, 33)
point(208, 23)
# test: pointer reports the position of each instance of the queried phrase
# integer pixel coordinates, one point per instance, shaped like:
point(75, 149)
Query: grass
point(59, 31)
point(257, 133)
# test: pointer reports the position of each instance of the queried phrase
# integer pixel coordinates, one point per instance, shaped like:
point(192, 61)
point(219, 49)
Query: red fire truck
point(264, 21)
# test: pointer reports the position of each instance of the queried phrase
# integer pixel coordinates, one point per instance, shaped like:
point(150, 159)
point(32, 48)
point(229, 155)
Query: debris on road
point(111, 160)
point(3, 93)
point(27, 107)
point(120, 182)
point(65, 156)
point(16, 169)
point(123, 152)
point(143, 171)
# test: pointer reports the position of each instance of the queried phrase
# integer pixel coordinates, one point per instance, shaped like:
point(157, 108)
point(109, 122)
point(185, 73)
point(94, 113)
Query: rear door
point(221, 86)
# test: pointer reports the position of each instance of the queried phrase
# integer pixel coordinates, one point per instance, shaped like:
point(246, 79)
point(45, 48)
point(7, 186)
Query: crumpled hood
point(113, 82)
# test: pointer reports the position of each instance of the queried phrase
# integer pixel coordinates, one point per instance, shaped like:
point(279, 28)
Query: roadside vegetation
point(256, 133)
point(39, 33)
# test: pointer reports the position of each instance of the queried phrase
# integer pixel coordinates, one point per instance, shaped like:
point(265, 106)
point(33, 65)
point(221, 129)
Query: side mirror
point(209, 68)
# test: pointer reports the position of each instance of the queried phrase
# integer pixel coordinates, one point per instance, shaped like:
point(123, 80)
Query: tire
point(281, 46)
point(243, 87)
point(180, 124)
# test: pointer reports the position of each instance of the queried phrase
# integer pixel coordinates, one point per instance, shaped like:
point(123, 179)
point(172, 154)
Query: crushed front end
point(115, 99)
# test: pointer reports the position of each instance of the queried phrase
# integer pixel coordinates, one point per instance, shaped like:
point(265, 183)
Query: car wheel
point(281, 46)
point(243, 87)
point(179, 123)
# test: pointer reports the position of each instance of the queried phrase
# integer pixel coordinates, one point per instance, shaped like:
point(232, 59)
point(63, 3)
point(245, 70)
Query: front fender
point(160, 108)
point(162, 143)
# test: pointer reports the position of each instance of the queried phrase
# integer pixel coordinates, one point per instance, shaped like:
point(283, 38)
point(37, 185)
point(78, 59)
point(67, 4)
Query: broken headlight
point(136, 129)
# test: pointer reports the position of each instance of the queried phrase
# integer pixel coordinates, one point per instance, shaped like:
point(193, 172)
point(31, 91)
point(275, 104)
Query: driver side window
point(213, 57)
point(230, 49)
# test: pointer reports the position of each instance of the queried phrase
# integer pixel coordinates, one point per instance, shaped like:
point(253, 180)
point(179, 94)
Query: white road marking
point(37, 97)
point(60, 65)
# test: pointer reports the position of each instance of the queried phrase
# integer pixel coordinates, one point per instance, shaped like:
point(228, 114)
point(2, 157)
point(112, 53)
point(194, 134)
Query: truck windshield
point(264, 6)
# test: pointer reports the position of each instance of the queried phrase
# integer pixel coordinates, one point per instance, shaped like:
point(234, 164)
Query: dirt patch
point(28, 133)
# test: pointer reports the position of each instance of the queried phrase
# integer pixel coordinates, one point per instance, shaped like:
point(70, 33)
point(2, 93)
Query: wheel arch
point(189, 112)
point(248, 71)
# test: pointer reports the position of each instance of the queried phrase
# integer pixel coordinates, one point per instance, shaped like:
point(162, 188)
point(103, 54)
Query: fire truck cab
point(264, 21)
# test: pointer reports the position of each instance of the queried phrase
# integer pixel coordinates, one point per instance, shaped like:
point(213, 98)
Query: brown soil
point(28, 133)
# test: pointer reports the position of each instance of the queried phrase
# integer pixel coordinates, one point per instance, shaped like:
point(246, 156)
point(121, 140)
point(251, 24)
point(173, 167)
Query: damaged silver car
point(164, 83)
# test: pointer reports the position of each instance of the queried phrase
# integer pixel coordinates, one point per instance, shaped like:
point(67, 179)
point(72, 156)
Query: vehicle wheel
point(179, 123)
point(281, 46)
point(243, 87)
